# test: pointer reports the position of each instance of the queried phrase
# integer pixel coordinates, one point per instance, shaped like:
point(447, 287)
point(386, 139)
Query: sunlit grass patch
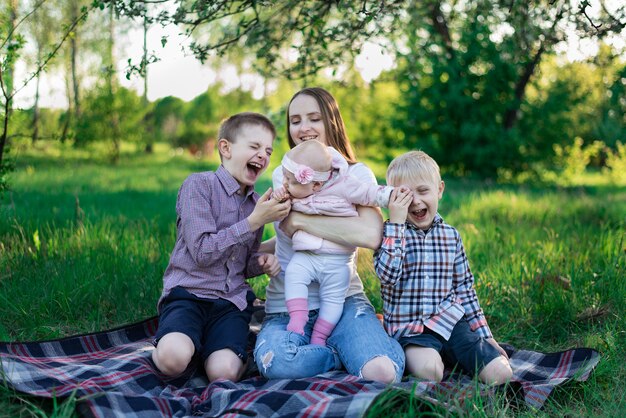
point(84, 244)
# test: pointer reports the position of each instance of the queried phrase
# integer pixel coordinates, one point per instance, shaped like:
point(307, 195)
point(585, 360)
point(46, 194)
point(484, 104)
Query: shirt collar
point(230, 185)
point(438, 220)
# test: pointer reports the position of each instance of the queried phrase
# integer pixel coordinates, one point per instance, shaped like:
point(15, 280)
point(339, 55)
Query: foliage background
point(84, 244)
point(531, 146)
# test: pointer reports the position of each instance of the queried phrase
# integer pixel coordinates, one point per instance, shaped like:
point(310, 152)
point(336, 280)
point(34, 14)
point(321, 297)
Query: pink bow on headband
point(303, 174)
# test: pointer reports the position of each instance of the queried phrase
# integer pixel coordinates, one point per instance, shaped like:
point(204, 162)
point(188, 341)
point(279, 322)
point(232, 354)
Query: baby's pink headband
point(303, 173)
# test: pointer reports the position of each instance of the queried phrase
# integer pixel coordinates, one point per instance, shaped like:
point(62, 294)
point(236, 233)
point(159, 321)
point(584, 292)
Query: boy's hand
point(281, 194)
point(399, 202)
point(270, 264)
point(497, 346)
point(268, 210)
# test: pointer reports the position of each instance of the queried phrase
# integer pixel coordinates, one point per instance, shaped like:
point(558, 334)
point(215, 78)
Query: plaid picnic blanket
point(112, 375)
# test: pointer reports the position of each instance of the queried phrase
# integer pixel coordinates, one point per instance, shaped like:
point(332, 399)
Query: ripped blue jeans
point(358, 338)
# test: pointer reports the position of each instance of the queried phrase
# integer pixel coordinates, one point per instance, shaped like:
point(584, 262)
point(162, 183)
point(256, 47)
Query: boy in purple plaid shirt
point(430, 305)
point(206, 304)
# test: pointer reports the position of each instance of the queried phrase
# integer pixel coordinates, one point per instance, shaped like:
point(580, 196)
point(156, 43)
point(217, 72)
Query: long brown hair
point(336, 134)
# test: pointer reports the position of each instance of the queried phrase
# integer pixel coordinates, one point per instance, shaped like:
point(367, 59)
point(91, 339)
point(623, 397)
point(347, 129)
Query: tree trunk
point(7, 84)
point(147, 129)
point(5, 130)
point(66, 125)
point(70, 99)
point(35, 135)
point(73, 57)
point(10, 70)
point(511, 115)
point(145, 60)
point(441, 26)
point(115, 128)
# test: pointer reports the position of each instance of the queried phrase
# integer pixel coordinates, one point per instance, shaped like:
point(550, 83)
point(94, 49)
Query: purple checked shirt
point(215, 249)
point(426, 281)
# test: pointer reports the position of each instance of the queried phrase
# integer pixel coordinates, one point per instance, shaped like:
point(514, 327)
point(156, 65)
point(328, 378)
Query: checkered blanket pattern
point(112, 375)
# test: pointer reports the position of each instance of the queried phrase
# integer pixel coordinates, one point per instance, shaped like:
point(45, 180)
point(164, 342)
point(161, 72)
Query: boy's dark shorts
point(465, 347)
point(212, 324)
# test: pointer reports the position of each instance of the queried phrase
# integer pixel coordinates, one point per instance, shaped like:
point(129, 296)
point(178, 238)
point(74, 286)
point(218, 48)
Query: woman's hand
point(365, 230)
point(288, 225)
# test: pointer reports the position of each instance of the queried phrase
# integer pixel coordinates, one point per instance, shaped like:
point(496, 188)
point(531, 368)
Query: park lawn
point(83, 246)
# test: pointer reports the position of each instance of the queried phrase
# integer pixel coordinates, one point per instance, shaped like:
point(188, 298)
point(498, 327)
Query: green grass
point(83, 246)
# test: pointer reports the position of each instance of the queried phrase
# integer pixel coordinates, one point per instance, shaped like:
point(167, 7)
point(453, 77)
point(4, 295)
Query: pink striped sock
point(321, 331)
point(298, 315)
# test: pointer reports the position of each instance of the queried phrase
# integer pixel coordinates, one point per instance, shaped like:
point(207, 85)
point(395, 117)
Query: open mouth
point(254, 168)
point(419, 213)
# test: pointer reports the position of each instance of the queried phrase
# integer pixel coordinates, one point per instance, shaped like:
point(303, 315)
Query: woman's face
point(305, 120)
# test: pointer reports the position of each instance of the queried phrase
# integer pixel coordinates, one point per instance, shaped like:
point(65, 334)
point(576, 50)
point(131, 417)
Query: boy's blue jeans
point(358, 338)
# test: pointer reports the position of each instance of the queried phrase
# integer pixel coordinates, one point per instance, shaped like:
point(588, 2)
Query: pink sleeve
point(365, 194)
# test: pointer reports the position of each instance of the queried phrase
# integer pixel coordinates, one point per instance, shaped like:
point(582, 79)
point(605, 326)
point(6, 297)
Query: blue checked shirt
point(215, 249)
point(426, 281)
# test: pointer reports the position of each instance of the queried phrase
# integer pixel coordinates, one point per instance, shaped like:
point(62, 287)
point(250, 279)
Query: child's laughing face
point(249, 155)
point(423, 208)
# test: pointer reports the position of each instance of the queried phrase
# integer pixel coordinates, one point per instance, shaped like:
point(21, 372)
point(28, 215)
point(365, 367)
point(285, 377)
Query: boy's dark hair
point(229, 128)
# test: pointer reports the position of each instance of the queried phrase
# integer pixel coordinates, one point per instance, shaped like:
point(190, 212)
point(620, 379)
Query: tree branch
point(10, 34)
point(511, 115)
point(52, 53)
point(441, 26)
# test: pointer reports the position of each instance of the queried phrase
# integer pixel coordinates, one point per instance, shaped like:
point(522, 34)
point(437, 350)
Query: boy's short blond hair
point(412, 166)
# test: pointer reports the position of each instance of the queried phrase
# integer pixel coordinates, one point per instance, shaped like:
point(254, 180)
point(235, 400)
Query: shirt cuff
point(243, 234)
point(481, 328)
point(393, 235)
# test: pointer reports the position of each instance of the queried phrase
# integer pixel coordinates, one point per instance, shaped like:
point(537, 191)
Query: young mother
point(358, 343)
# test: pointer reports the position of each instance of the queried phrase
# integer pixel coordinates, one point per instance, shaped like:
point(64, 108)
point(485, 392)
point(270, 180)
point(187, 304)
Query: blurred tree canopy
point(287, 38)
point(480, 85)
point(465, 77)
point(464, 70)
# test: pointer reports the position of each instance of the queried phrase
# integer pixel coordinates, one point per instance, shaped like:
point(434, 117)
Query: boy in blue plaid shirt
point(430, 305)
